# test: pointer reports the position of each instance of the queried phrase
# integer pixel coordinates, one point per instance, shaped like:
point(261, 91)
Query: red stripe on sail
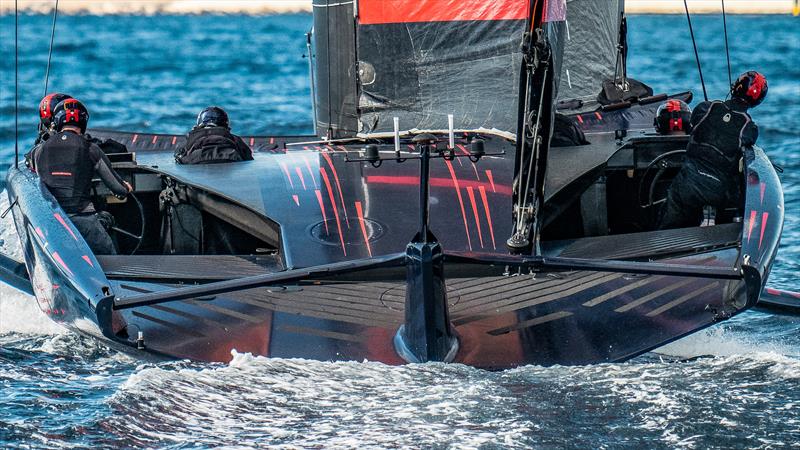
point(460, 201)
point(488, 214)
point(333, 203)
point(310, 172)
point(405, 11)
point(360, 213)
point(288, 175)
point(764, 218)
point(300, 175)
point(435, 182)
point(751, 224)
point(471, 193)
point(491, 180)
point(296, 199)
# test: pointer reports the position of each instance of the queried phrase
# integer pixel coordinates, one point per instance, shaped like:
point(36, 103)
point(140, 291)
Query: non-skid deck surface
point(654, 243)
point(187, 267)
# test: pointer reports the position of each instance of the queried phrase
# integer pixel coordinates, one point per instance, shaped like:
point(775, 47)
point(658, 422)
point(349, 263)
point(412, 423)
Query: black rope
point(50, 53)
point(16, 83)
point(696, 55)
point(727, 52)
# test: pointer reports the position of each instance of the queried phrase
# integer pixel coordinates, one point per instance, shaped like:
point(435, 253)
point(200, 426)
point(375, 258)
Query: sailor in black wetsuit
point(712, 172)
point(67, 162)
point(211, 141)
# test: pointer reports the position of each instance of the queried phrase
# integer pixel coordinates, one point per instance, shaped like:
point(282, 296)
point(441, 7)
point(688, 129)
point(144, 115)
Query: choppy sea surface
point(736, 385)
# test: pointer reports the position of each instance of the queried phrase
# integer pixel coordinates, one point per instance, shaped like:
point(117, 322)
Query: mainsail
point(419, 61)
point(590, 47)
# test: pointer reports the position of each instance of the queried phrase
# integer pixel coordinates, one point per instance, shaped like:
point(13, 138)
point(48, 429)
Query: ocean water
point(736, 385)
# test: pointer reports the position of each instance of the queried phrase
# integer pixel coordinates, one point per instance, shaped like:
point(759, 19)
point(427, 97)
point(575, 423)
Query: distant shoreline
point(260, 7)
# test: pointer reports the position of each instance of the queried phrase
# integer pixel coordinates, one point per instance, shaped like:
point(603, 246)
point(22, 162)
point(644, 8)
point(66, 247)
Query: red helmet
point(751, 87)
point(47, 105)
point(673, 116)
point(70, 112)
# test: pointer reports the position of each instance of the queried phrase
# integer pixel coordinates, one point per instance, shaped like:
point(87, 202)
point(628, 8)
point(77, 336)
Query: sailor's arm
point(699, 112)
point(102, 167)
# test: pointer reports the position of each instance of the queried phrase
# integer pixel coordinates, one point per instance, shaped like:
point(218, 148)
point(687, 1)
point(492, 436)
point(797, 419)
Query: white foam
point(720, 341)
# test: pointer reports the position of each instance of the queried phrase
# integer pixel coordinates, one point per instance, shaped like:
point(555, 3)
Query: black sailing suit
point(66, 164)
point(213, 145)
point(711, 174)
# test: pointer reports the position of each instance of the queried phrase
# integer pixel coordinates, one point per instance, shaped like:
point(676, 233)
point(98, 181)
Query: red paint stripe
point(135, 138)
point(474, 166)
point(252, 141)
point(360, 213)
point(174, 139)
point(460, 201)
point(471, 193)
point(580, 119)
point(338, 186)
point(491, 180)
point(310, 172)
point(773, 291)
point(60, 261)
point(322, 208)
point(764, 218)
point(61, 174)
point(155, 138)
point(272, 140)
point(296, 199)
point(300, 175)
point(435, 182)
point(488, 213)
point(335, 209)
point(763, 189)
point(405, 11)
point(64, 224)
point(288, 175)
point(88, 260)
point(599, 117)
point(39, 232)
point(751, 225)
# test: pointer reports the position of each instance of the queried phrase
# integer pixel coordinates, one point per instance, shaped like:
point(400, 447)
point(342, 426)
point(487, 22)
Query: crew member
point(46, 106)
point(711, 174)
point(673, 117)
point(211, 141)
point(67, 162)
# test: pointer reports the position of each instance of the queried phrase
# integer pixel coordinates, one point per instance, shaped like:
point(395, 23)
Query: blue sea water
point(58, 390)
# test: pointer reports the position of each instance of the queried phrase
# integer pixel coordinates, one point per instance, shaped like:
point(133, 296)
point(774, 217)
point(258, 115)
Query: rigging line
point(696, 55)
point(50, 53)
point(16, 83)
point(727, 51)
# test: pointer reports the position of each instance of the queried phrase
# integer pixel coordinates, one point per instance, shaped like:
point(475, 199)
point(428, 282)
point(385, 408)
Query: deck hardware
point(140, 341)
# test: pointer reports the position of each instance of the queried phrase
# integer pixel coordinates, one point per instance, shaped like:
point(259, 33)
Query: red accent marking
point(404, 11)
point(300, 175)
point(310, 172)
point(488, 213)
point(471, 193)
point(763, 189)
point(338, 186)
point(288, 175)
point(272, 140)
point(335, 208)
point(155, 138)
point(460, 201)
point(61, 174)
point(673, 105)
point(676, 125)
point(751, 224)
point(252, 142)
point(773, 291)
point(491, 180)
point(435, 182)
point(794, 294)
point(39, 232)
point(60, 261)
point(754, 91)
point(599, 117)
point(764, 218)
point(342, 148)
point(64, 224)
point(322, 208)
point(296, 199)
point(474, 166)
point(174, 139)
point(360, 213)
point(580, 119)
point(88, 260)
point(135, 137)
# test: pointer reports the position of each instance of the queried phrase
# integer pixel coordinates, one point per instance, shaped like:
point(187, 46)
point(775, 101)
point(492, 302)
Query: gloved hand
point(106, 219)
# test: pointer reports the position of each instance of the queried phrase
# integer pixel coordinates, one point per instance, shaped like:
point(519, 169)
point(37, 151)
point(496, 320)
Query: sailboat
point(429, 218)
